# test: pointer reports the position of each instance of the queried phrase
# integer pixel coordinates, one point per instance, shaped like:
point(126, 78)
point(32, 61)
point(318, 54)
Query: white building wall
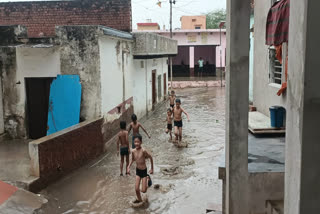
point(264, 93)
point(34, 62)
point(140, 87)
point(116, 64)
point(116, 55)
point(1, 109)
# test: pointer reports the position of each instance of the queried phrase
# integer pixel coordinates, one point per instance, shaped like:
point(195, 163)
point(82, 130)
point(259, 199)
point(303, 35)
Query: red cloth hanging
point(278, 23)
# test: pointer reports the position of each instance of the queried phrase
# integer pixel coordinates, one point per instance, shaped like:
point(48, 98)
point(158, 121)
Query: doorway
point(1, 109)
point(154, 90)
point(165, 85)
point(37, 91)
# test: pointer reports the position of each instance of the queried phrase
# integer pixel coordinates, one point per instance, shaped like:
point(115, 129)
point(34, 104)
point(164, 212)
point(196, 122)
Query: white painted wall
point(116, 64)
point(142, 91)
point(1, 109)
point(264, 93)
point(35, 62)
point(140, 88)
point(137, 76)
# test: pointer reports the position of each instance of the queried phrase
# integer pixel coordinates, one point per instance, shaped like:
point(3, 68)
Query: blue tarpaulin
point(64, 103)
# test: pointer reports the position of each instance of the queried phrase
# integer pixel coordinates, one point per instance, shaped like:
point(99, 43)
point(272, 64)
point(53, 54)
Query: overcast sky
point(148, 9)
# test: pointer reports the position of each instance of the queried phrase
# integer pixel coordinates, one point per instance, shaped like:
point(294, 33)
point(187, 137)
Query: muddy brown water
point(187, 177)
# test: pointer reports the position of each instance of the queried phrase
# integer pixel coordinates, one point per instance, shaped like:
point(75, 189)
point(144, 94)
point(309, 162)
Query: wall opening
point(154, 90)
point(37, 92)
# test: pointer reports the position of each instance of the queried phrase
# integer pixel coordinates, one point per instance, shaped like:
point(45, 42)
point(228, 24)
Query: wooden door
point(154, 90)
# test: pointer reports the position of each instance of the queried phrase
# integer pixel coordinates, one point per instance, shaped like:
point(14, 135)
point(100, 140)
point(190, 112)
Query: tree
point(215, 17)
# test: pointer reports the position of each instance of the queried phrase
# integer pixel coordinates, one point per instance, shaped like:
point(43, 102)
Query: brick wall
point(58, 154)
point(41, 17)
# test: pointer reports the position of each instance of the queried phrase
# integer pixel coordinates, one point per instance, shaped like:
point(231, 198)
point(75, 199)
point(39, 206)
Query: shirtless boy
point(139, 155)
point(169, 122)
point(172, 98)
point(123, 144)
point(135, 125)
point(177, 115)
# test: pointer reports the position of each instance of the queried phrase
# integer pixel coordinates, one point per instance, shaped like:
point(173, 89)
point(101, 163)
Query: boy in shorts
point(135, 125)
point(123, 144)
point(139, 155)
point(169, 122)
point(177, 115)
point(172, 98)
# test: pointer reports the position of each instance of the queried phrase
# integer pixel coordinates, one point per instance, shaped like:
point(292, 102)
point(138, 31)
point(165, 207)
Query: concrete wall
point(188, 23)
point(264, 93)
point(116, 66)
point(79, 54)
point(20, 63)
point(13, 121)
point(264, 186)
point(56, 155)
point(150, 44)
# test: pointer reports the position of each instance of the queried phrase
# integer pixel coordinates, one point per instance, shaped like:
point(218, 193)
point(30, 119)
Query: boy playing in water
point(177, 114)
point(139, 155)
point(123, 143)
point(172, 98)
point(135, 125)
point(169, 122)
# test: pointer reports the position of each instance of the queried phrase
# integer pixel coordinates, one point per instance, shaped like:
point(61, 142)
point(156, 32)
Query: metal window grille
point(275, 68)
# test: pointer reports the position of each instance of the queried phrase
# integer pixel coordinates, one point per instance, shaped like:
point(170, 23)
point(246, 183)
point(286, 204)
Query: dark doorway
point(165, 85)
point(208, 54)
point(37, 91)
point(154, 90)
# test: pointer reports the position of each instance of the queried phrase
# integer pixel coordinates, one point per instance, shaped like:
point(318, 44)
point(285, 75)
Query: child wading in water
point(123, 144)
point(139, 155)
point(169, 122)
point(172, 98)
point(135, 125)
point(177, 114)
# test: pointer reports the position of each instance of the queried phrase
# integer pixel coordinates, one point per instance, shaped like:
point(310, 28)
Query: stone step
point(275, 206)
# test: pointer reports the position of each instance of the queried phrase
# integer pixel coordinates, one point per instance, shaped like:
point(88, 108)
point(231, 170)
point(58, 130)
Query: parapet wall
point(56, 155)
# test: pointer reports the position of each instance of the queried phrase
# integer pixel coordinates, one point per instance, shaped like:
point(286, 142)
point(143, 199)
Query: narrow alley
point(188, 177)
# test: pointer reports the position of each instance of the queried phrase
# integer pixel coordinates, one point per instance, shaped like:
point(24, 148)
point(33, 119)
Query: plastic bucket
point(276, 116)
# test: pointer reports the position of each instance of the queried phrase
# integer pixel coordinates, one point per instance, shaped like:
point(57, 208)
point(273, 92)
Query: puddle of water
point(187, 178)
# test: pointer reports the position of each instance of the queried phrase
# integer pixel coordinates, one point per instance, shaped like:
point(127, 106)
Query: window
point(197, 27)
point(275, 68)
point(194, 20)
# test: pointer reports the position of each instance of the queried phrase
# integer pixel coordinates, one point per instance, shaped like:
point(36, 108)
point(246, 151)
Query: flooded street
point(188, 177)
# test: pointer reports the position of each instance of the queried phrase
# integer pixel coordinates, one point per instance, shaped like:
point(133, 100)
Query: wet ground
point(188, 177)
point(15, 162)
